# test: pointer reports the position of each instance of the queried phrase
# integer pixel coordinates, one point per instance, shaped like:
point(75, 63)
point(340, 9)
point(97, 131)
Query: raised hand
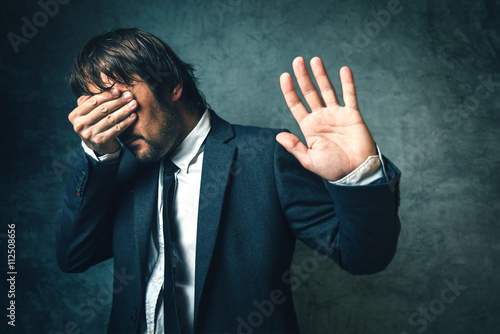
point(99, 119)
point(337, 138)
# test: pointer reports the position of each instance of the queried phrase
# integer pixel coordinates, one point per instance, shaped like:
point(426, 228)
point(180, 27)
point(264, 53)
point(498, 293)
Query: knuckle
point(86, 134)
point(309, 91)
point(118, 128)
point(93, 101)
point(77, 127)
point(103, 109)
point(82, 99)
point(99, 139)
point(110, 119)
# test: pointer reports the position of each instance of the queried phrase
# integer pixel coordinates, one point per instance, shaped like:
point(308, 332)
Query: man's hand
point(99, 119)
point(338, 140)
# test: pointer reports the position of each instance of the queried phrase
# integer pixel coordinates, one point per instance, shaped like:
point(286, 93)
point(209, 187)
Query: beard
point(153, 147)
point(153, 151)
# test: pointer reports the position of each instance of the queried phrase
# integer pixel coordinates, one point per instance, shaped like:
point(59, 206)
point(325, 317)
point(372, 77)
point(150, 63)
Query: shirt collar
point(185, 154)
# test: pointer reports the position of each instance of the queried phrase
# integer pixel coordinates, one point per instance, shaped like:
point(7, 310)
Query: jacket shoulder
point(246, 134)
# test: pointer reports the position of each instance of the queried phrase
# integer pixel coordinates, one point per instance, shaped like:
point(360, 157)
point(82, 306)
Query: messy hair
point(124, 54)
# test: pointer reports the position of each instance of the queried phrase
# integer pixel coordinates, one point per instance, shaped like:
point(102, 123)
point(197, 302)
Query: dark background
point(420, 77)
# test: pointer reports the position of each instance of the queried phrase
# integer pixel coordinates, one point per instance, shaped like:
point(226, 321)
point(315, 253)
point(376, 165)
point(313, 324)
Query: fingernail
point(115, 92)
point(132, 115)
point(127, 95)
point(132, 104)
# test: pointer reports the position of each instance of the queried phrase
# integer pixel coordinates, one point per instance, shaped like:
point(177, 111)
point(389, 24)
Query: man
point(202, 214)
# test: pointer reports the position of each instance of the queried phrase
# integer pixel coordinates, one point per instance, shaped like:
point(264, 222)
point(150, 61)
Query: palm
point(337, 139)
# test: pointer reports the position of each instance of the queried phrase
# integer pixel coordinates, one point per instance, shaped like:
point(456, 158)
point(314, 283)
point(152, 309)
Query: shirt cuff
point(106, 157)
point(370, 171)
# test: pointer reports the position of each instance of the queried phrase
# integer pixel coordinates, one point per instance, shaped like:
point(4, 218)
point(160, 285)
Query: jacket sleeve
point(84, 230)
point(356, 226)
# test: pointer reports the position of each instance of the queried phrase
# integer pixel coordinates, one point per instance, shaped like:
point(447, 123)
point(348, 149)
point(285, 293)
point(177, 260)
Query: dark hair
point(122, 53)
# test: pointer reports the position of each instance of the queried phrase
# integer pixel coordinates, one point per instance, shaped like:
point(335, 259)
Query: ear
point(176, 93)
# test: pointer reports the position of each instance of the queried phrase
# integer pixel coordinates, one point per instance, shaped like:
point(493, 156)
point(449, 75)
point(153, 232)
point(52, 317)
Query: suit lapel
point(145, 200)
point(217, 162)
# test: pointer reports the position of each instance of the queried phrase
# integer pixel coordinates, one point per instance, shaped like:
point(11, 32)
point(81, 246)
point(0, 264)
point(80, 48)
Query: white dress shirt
point(188, 156)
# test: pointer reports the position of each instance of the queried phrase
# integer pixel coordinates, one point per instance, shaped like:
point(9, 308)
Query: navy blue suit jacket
point(255, 201)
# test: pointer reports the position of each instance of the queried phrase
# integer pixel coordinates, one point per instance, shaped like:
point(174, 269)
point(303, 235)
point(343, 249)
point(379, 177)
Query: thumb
point(293, 145)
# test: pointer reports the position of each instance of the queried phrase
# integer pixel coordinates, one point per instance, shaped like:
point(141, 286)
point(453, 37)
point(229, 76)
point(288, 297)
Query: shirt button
point(157, 278)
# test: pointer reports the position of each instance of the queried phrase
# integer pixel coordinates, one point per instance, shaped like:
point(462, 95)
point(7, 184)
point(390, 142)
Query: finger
point(324, 83)
point(108, 108)
point(75, 113)
point(88, 126)
point(115, 118)
point(82, 99)
point(294, 146)
point(306, 85)
point(348, 88)
point(292, 99)
point(114, 131)
point(95, 101)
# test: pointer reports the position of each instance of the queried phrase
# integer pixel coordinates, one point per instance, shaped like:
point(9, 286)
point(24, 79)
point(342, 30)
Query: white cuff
point(368, 172)
point(106, 157)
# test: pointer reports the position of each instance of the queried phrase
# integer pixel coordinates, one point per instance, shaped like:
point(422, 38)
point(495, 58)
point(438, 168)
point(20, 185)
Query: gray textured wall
point(428, 81)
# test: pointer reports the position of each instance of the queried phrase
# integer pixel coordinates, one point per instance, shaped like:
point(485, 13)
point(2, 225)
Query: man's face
point(157, 131)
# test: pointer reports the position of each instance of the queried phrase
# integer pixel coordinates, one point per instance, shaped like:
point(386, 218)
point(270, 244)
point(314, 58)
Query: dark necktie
point(171, 315)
